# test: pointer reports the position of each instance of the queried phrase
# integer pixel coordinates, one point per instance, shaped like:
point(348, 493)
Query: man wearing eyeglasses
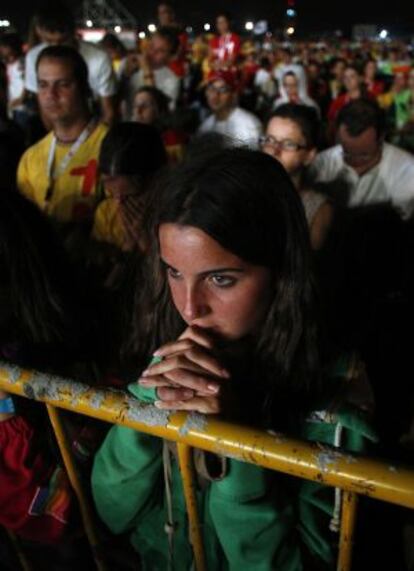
point(227, 117)
point(363, 169)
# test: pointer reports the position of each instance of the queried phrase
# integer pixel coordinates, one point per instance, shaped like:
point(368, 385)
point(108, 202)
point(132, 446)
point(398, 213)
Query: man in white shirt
point(362, 169)
point(56, 26)
point(227, 118)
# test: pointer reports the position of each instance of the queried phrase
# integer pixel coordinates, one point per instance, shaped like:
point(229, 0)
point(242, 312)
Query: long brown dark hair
point(246, 202)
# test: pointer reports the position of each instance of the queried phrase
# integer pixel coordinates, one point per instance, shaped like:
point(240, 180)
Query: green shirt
point(254, 518)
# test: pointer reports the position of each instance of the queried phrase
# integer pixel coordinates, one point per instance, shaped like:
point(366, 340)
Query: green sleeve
point(127, 477)
point(253, 520)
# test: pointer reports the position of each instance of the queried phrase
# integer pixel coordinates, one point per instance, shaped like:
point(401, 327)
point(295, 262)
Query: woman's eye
point(172, 273)
point(222, 281)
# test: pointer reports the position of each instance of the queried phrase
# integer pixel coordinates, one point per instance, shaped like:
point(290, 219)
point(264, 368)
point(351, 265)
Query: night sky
point(314, 16)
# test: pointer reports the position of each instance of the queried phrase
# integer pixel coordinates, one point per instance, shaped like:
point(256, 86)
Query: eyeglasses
point(220, 90)
point(283, 144)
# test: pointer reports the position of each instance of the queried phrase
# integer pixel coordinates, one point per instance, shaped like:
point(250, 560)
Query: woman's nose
point(196, 304)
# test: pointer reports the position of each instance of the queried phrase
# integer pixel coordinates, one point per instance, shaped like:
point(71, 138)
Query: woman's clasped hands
point(188, 376)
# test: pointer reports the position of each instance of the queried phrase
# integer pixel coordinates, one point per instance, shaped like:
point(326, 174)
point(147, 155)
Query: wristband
point(7, 406)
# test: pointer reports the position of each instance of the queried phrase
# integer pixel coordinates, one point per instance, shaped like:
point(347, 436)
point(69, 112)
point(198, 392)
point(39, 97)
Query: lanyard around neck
point(53, 174)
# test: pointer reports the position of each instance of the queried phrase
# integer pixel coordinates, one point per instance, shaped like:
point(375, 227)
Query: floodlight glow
point(142, 35)
point(117, 29)
point(249, 26)
point(89, 23)
point(383, 34)
point(207, 27)
point(152, 28)
point(290, 30)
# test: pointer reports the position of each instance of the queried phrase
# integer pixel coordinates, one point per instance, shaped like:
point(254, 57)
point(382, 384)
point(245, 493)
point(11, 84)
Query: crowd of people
point(214, 224)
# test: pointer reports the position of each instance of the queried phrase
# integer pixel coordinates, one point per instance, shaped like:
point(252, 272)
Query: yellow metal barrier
point(76, 483)
point(312, 461)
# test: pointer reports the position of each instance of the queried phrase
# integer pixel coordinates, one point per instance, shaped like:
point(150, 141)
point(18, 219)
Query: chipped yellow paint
point(185, 458)
point(326, 465)
point(349, 511)
point(75, 480)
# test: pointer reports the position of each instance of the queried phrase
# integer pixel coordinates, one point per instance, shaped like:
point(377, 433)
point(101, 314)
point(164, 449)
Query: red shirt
point(225, 48)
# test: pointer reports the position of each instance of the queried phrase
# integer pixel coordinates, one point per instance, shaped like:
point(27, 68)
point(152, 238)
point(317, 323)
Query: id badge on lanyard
point(53, 174)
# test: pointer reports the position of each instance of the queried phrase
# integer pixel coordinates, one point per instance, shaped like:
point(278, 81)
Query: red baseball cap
point(228, 77)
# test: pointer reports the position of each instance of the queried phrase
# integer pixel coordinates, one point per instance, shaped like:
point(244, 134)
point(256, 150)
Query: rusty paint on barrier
point(327, 459)
point(291, 456)
point(194, 421)
point(147, 414)
point(14, 373)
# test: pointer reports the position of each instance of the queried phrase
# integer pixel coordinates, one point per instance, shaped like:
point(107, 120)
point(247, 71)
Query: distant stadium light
point(207, 27)
point(383, 34)
point(261, 27)
point(117, 29)
point(189, 30)
point(152, 28)
point(249, 26)
point(291, 13)
point(89, 23)
point(142, 35)
point(4, 23)
point(290, 31)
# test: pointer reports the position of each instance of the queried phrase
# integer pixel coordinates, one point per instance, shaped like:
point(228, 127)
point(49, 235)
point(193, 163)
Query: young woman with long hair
point(227, 307)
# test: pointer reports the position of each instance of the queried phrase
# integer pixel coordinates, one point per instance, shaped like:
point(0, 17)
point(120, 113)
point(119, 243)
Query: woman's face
point(118, 186)
point(351, 78)
point(222, 25)
point(400, 81)
point(370, 69)
point(291, 85)
point(145, 111)
point(287, 144)
point(211, 287)
point(338, 70)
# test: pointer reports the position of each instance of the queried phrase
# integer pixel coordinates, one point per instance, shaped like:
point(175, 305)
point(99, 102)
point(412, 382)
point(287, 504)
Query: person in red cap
point(227, 117)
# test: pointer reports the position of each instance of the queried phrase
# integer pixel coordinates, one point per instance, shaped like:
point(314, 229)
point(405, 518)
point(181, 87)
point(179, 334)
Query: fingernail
point(225, 373)
point(213, 388)
point(157, 353)
point(144, 373)
point(188, 394)
point(158, 403)
point(143, 381)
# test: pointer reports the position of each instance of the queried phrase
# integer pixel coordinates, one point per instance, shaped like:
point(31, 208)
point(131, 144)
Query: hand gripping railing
point(331, 466)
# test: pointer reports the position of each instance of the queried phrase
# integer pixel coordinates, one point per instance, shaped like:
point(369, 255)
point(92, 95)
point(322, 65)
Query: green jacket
point(253, 519)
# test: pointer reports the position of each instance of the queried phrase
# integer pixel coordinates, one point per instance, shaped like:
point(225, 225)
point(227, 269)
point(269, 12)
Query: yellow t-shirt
point(77, 191)
point(108, 225)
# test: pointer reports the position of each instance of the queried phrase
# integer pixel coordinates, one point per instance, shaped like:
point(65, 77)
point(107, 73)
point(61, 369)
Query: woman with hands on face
point(225, 307)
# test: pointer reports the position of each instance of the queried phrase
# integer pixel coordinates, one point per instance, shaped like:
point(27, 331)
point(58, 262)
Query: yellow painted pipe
point(24, 562)
point(312, 461)
point(346, 539)
point(185, 459)
point(75, 480)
